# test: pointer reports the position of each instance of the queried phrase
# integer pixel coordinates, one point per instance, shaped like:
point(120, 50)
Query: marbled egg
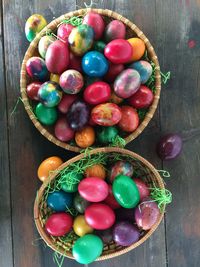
point(36, 68)
point(59, 200)
point(64, 31)
point(96, 21)
point(120, 167)
point(32, 90)
point(94, 64)
point(44, 43)
point(71, 81)
point(50, 94)
point(107, 114)
point(81, 39)
point(144, 68)
point(34, 25)
point(114, 30)
point(127, 83)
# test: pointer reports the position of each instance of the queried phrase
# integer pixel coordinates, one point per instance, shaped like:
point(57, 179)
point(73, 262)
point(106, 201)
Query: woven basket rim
point(52, 25)
point(48, 240)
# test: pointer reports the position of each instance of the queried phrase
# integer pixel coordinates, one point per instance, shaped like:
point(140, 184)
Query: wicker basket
point(131, 30)
point(147, 172)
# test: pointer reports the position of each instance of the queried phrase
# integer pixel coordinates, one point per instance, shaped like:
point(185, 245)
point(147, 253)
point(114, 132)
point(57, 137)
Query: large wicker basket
point(131, 31)
point(147, 172)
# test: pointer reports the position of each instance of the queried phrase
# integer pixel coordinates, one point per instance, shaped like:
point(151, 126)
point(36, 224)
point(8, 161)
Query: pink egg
point(95, 20)
point(64, 31)
point(93, 189)
point(66, 102)
point(62, 130)
point(97, 93)
point(142, 187)
point(114, 30)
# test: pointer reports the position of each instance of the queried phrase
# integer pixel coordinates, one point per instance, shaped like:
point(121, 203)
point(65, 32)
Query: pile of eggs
point(89, 82)
point(111, 206)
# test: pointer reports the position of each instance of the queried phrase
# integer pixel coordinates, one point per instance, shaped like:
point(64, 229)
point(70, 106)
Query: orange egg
point(48, 165)
point(138, 48)
point(85, 137)
point(97, 170)
point(115, 99)
point(54, 77)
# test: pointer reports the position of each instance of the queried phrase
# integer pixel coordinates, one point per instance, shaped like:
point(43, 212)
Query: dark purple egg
point(105, 235)
point(125, 234)
point(78, 115)
point(125, 215)
point(169, 146)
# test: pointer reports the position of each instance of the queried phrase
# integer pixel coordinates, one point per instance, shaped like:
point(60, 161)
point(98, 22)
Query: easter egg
point(107, 114)
point(113, 71)
point(66, 102)
point(47, 166)
point(87, 248)
point(81, 39)
point(120, 167)
point(46, 115)
point(59, 200)
point(32, 90)
point(144, 68)
point(59, 224)
point(125, 191)
point(114, 30)
point(93, 189)
point(96, 170)
point(97, 93)
point(127, 83)
point(44, 43)
point(70, 181)
point(62, 130)
point(54, 77)
point(115, 99)
point(143, 188)
point(75, 63)
point(105, 235)
point(85, 137)
point(94, 64)
point(95, 20)
point(125, 234)
point(34, 25)
point(106, 135)
point(110, 200)
point(125, 215)
point(80, 204)
point(50, 94)
point(57, 57)
point(100, 216)
point(81, 227)
point(138, 48)
point(99, 46)
point(36, 68)
point(64, 31)
point(129, 120)
point(143, 98)
point(78, 115)
point(118, 51)
point(71, 81)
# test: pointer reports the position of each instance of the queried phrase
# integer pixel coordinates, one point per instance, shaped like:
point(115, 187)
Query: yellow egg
point(54, 77)
point(97, 170)
point(81, 227)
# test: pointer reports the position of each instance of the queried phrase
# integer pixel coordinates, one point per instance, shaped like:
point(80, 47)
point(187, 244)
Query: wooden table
point(173, 27)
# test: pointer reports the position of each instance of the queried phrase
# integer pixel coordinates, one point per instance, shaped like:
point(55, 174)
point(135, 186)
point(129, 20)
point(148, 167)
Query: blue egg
point(144, 68)
point(94, 64)
point(59, 200)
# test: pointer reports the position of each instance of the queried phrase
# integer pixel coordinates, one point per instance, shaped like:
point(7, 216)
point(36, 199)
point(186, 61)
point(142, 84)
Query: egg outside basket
point(131, 31)
point(146, 171)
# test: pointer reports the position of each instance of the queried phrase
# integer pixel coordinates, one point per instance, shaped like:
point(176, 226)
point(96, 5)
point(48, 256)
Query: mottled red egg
point(66, 102)
point(143, 98)
point(32, 90)
point(114, 30)
point(143, 188)
point(62, 130)
point(113, 71)
point(96, 21)
point(64, 31)
point(97, 93)
point(129, 120)
point(74, 62)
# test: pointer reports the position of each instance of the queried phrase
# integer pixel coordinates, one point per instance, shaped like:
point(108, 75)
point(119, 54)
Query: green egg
point(99, 46)
point(106, 135)
point(46, 115)
point(70, 182)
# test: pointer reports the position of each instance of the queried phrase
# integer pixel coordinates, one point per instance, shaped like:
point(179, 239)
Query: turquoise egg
point(120, 167)
point(44, 43)
point(94, 64)
point(144, 68)
point(34, 25)
point(59, 200)
point(47, 116)
point(50, 94)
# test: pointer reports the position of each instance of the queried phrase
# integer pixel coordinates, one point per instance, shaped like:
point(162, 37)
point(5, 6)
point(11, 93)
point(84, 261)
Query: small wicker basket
point(147, 173)
point(131, 31)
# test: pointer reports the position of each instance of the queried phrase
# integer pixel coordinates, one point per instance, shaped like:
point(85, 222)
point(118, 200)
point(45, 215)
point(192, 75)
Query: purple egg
point(36, 68)
point(169, 146)
point(125, 234)
point(144, 68)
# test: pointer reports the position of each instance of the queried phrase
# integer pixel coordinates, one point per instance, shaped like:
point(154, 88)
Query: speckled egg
point(71, 81)
point(120, 167)
point(127, 83)
point(144, 68)
point(44, 43)
point(50, 94)
point(36, 68)
point(34, 25)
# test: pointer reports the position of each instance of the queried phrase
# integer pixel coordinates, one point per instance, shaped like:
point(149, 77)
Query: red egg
point(59, 224)
point(113, 71)
point(142, 187)
point(143, 98)
point(95, 20)
point(129, 120)
point(74, 62)
point(66, 102)
point(93, 189)
point(57, 57)
point(62, 130)
point(99, 216)
point(110, 200)
point(114, 30)
point(64, 31)
point(32, 90)
point(97, 93)
point(118, 51)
